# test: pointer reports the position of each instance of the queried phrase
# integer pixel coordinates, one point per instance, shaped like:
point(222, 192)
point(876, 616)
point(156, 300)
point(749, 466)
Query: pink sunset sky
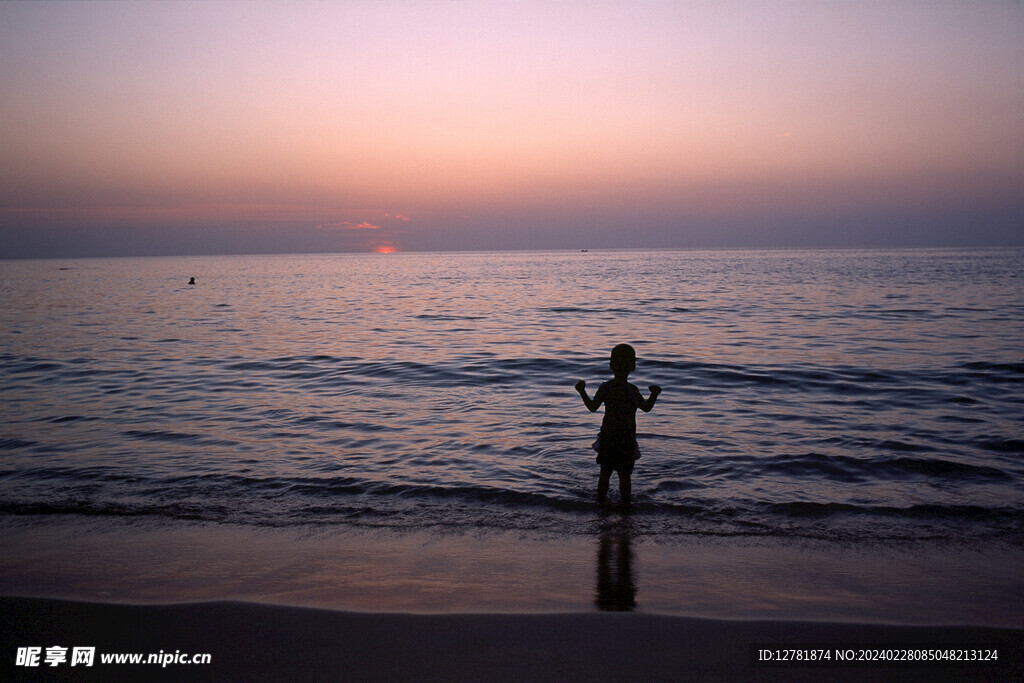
point(250, 127)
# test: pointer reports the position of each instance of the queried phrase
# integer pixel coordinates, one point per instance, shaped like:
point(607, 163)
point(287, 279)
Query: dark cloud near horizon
point(525, 229)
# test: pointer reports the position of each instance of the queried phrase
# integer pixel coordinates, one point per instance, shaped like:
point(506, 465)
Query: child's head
point(623, 360)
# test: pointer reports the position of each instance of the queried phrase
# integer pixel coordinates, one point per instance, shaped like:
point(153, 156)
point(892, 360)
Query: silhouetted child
point(616, 445)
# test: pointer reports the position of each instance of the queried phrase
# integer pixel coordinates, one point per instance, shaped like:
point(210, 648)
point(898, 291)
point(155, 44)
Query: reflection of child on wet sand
point(616, 445)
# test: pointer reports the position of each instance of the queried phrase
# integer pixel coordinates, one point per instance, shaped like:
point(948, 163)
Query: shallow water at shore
point(380, 570)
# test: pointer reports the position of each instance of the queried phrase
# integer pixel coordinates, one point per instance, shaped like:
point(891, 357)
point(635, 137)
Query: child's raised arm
point(649, 403)
point(592, 404)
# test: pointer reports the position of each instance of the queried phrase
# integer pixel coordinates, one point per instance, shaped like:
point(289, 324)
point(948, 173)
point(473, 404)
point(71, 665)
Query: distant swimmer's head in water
point(623, 360)
point(191, 280)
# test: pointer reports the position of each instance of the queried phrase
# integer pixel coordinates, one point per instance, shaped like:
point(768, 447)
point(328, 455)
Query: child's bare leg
point(602, 484)
point(625, 487)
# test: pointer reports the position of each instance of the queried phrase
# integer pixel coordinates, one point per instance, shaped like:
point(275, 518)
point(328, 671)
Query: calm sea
point(841, 396)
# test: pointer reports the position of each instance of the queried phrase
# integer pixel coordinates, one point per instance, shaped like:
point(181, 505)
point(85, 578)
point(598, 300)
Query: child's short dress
point(617, 450)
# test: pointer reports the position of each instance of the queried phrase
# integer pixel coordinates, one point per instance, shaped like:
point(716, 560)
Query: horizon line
point(570, 250)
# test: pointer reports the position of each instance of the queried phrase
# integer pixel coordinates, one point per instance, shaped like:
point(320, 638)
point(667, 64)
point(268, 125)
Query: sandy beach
point(249, 641)
point(276, 605)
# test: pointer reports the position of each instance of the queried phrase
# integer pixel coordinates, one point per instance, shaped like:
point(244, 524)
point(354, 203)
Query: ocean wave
point(842, 469)
point(288, 501)
point(477, 369)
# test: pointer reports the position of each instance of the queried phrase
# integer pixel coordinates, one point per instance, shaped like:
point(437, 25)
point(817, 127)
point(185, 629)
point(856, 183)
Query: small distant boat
point(584, 250)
